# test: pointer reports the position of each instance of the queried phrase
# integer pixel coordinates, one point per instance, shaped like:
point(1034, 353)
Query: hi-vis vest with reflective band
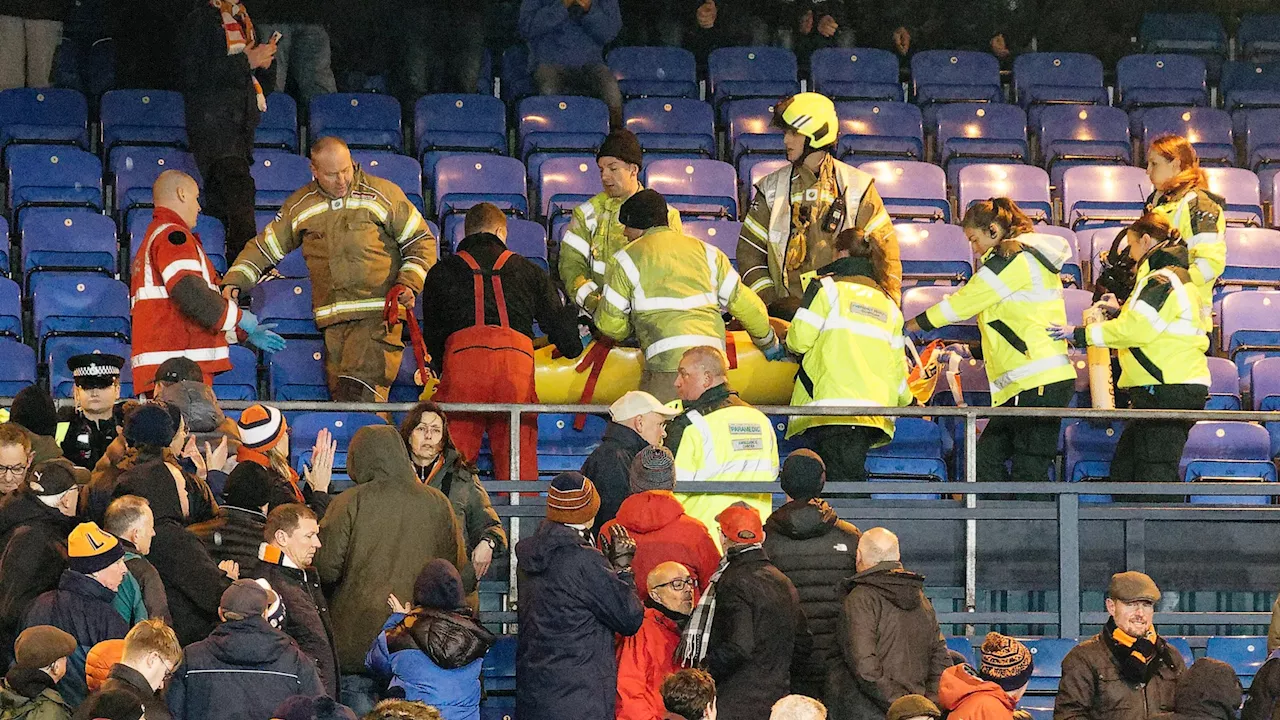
point(1157, 334)
point(356, 247)
point(1200, 222)
point(671, 288)
point(735, 443)
point(1016, 299)
point(594, 235)
point(851, 337)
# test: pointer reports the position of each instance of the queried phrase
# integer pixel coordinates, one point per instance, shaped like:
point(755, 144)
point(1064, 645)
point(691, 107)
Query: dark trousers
point(843, 449)
point(594, 80)
point(228, 196)
point(1029, 446)
point(1150, 450)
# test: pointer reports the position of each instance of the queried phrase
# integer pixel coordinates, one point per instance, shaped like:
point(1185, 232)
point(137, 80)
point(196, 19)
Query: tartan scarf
point(693, 640)
point(1138, 658)
point(239, 30)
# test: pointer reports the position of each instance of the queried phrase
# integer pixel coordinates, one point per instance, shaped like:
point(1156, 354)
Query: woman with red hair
point(1182, 197)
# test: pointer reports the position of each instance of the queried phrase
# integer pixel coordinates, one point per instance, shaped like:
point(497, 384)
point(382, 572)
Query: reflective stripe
point(349, 306)
point(693, 302)
point(614, 298)
point(761, 284)
point(231, 314)
point(676, 342)
point(415, 222)
point(178, 266)
point(243, 269)
point(577, 243)
point(1035, 367)
point(880, 218)
point(380, 211)
point(808, 317)
point(1036, 295)
point(861, 329)
point(1094, 333)
point(708, 440)
point(1206, 270)
point(1151, 315)
point(948, 313)
point(628, 268)
point(598, 267)
point(584, 290)
point(197, 355)
point(1203, 238)
point(273, 250)
point(989, 277)
point(308, 213)
point(756, 229)
point(414, 268)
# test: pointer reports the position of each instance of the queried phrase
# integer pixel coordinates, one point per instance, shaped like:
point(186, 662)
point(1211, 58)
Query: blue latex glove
point(1062, 332)
point(774, 351)
point(264, 339)
point(248, 322)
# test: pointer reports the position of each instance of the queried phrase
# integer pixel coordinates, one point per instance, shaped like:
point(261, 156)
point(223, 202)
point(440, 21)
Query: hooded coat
point(244, 669)
point(965, 696)
point(471, 506)
point(609, 468)
point(816, 550)
point(82, 607)
point(889, 641)
point(664, 533)
point(377, 536)
point(1264, 692)
point(433, 657)
point(1208, 690)
point(571, 604)
point(30, 686)
point(33, 554)
point(644, 661)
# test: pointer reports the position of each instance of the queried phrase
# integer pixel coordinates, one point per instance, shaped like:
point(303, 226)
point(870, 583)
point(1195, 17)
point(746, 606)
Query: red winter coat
point(644, 661)
point(965, 696)
point(663, 532)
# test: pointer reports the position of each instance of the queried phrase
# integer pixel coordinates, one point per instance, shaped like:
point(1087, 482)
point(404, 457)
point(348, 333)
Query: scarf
point(285, 473)
point(798, 245)
point(239, 30)
point(1137, 657)
point(693, 640)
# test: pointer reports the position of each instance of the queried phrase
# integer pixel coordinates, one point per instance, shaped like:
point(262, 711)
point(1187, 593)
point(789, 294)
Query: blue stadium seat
point(964, 646)
point(657, 72)
point(1027, 185)
point(1242, 192)
point(1244, 654)
point(362, 120)
point(1209, 130)
point(561, 447)
point(19, 367)
point(914, 191)
point(879, 131)
point(342, 426)
point(4, 249)
point(402, 170)
point(1071, 136)
point(915, 454)
point(528, 239)
point(1258, 36)
point(1057, 78)
point(135, 170)
point(940, 77)
point(916, 300)
point(1264, 386)
point(1155, 80)
point(1250, 327)
point(276, 176)
point(79, 304)
point(667, 126)
point(10, 309)
point(1226, 452)
point(499, 667)
point(1047, 654)
point(746, 72)
point(855, 74)
point(934, 254)
point(241, 381)
point(1224, 387)
point(1095, 195)
point(1183, 647)
point(752, 170)
point(1249, 85)
point(403, 388)
point(465, 180)
point(969, 133)
point(1198, 34)
point(1073, 267)
point(46, 115)
point(565, 183)
point(55, 176)
point(287, 303)
point(722, 234)
point(59, 349)
point(1251, 260)
point(143, 117)
point(751, 129)
point(297, 372)
point(446, 124)
point(559, 125)
point(695, 187)
point(58, 239)
point(213, 237)
point(278, 127)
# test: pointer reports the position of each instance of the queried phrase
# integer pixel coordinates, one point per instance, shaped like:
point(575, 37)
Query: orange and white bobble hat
point(275, 608)
point(261, 427)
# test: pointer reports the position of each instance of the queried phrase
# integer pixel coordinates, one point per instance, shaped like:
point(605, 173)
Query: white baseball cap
point(638, 402)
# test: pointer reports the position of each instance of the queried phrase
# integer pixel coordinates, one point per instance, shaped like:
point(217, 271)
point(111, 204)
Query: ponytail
point(1001, 212)
point(1192, 176)
point(861, 246)
point(1156, 226)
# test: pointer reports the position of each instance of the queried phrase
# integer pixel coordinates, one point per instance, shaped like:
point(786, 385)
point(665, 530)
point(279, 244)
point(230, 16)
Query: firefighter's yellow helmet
point(810, 114)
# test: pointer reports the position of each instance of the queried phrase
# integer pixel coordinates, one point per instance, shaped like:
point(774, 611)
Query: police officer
point(595, 233)
point(1162, 352)
point(669, 289)
point(798, 210)
point(850, 333)
point(1015, 294)
point(91, 426)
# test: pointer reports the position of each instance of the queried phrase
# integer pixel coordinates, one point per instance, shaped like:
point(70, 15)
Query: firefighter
point(1162, 351)
point(850, 333)
point(595, 234)
point(483, 339)
point(177, 312)
point(1015, 294)
point(1182, 197)
point(798, 210)
point(367, 249)
point(91, 425)
point(669, 289)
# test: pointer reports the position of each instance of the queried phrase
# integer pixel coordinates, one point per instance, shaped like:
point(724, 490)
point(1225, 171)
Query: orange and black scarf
point(1138, 658)
point(239, 30)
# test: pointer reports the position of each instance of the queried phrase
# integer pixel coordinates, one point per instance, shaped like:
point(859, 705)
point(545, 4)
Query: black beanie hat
point(802, 475)
point(644, 210)
point(111, 705)
point(248, 486)
point(622, 144)
point(439, 586)
point(33, 409)
point(150, 424)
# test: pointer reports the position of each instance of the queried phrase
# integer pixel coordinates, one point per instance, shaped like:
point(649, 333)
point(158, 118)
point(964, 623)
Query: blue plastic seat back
point(1224, 452)
point(914, 455)
point(213, 237)
point(1094, 135)
point(1027, 185)
point(1102, 195)
point(564, 183)
point(737, 72)
point(55, 175)
point(1047, 654)
point(561, 447)
point(948, 76)
point(1183, 647)
point(297, 372)
point(1264, 385)
point(287, 303)
point(1224, 387)
point(10, 308)
point(1242, 191)
point(879, 131)
point(1201, 33)
point(1250, 327)
point(342, 426)
point(136, 168)
point(529, 240)
point(1250, 84)
point(19, 367)
point(79, 303)
point(59, 349)
point(916, 300)
point(458, 123)
point(751, 128)
point(913, 191)
point(983, 132)
point(654, 71)
point(1251, 260)
point(1208, 128)
point(43, 115)
point(1058, 77)
point(672, 125)
point(499, 667)
point(1245, 655)
point(241, 381)
point(721, 234)
point(1258, 36)
point(278, 126)
point(67, 239)
point(363, 120)
point(143, 117)
point(933, 254)
point(1154, 80)
point(855, 74)
point(561, 123)
point(402, 170)
point(964, 646)
point(465, 180)
point(276, 176)
point(753, 168)
point(696, 187)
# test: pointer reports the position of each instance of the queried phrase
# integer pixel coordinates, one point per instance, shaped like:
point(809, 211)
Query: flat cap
point(1132, 586)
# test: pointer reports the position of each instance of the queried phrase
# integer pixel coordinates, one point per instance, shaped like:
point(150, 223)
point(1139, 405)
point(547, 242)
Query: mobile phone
point(275, 36)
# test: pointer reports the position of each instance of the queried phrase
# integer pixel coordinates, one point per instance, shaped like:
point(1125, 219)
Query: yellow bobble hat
point(92, 549)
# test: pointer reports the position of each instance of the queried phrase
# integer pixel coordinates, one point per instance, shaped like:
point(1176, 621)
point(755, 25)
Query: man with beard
point(648, 657)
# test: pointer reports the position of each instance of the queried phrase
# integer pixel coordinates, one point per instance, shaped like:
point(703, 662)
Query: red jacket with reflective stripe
point(160, 329)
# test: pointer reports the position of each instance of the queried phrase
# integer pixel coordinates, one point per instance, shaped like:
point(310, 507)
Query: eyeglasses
point(13, 469)
point(679, 584)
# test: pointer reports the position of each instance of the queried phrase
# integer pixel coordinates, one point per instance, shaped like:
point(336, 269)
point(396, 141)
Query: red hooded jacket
point(965, 696)
point(644, 661)
point(664, 533)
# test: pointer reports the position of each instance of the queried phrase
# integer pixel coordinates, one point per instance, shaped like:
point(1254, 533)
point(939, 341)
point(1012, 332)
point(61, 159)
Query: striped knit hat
point(1005, 662)
point(572, 499)
point(261, 427)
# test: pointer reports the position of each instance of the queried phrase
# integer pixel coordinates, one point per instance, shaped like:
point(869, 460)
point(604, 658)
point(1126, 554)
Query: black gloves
point(619, 548)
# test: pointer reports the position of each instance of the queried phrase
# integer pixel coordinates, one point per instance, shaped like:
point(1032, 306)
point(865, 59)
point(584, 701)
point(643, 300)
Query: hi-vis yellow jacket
point(850, 333)
point(1197, 216)
point(1016, 295)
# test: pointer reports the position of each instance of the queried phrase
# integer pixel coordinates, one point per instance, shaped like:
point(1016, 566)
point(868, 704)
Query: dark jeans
point(843, 449)
point(228, 196)
point(439, 60)
point(1150, 450)
point(1031, 445)
point(594, 80)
